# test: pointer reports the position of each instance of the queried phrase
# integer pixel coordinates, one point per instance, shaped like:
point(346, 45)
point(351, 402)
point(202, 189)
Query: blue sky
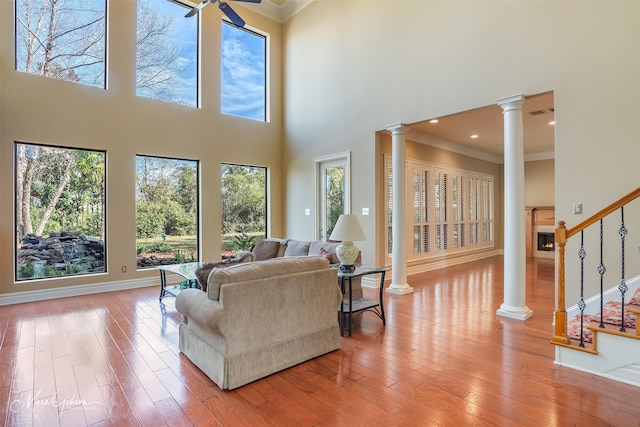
point(243, 73)
point(243, 61)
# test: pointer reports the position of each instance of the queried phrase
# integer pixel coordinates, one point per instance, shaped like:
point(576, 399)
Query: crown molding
point(278, 12)
point(433, 141)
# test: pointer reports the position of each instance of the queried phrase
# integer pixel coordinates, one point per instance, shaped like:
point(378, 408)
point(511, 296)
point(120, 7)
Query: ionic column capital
point(398, 129)
point(513, 102)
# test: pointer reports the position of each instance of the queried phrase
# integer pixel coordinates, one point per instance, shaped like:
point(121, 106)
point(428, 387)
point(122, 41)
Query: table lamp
point(346, 230)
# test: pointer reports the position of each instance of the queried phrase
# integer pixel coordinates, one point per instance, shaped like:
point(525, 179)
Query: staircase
point(601, 334)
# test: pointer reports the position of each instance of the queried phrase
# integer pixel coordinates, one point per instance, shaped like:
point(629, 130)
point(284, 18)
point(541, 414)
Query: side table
point(359, 304)
point(187, 270)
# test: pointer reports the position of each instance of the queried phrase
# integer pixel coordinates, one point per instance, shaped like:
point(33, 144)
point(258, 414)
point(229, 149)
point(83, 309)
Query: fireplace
point(540, 232)
point(546, 242)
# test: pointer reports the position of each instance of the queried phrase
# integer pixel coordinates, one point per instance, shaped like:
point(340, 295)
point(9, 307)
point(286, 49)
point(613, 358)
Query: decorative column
point(399, 283)
point(514, 212)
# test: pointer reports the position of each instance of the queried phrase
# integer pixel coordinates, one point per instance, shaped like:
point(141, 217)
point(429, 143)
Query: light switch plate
point(577, 208)
point(365, 211)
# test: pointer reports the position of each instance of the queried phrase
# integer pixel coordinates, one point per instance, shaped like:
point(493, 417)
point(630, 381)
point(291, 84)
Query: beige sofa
point(260, 317)
point(276, 248)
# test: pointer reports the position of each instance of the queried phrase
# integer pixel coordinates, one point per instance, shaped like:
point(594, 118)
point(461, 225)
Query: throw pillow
point(322, 248)
point(325, 253)
point(202, 272)
point(266, 249)
point(297, 248)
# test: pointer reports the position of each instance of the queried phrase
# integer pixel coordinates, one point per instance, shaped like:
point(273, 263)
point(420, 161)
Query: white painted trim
point(72, 291)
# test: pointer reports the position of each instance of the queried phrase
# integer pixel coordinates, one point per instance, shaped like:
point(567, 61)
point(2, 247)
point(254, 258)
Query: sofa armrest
point(195, 306)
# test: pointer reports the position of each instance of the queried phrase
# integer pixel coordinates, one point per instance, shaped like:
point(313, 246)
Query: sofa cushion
point(297, 248)
point(261, 270)
point(266, 249)
point(326, 249)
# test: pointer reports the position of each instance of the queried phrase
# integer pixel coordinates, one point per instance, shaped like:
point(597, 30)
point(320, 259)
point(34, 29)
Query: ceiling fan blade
point(196, 9)
point(250, 1)
point(231, 14)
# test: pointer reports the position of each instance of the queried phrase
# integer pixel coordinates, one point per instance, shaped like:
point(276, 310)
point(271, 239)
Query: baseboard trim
point(72, 291)
point(373, 281)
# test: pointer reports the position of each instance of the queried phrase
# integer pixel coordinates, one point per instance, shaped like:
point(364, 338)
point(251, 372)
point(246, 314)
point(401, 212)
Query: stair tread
point(612, 314)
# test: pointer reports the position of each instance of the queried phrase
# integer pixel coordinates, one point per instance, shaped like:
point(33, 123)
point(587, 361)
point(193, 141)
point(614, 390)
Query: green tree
point(243, 199)
point(335, 197)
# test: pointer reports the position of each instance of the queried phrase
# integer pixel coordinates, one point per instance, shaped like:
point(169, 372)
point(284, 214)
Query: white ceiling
point(277, 10)
point(487, 122)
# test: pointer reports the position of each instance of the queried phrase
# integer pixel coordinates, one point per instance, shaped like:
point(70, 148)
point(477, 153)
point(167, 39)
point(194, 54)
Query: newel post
point(560, 315)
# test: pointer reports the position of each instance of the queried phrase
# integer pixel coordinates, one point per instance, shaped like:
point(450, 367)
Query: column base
point(518, 313)
point(399, 289)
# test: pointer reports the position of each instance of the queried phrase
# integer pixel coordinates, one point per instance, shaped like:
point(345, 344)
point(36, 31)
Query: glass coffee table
point(359, 304)
point(187, 271)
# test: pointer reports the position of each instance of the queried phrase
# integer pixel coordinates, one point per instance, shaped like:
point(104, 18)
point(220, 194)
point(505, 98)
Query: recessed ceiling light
point(553, 122)
point(433, 121)
point(474, 136)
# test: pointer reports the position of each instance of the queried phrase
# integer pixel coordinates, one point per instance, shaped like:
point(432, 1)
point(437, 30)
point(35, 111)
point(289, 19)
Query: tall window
point(60, 211)
point(62, 39)
point(244, 207)
point(451, 210)
point(166, 53)
point(166, 211)
point(244, 90)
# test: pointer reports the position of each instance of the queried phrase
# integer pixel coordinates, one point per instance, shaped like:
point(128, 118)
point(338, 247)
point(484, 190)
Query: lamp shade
point(347, 229)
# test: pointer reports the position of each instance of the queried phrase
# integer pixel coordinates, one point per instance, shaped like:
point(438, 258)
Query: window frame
point(198, 249)
point(266, 198)
point(104, 44)
point(266, 60)
point(18, 233)
point(198, 38)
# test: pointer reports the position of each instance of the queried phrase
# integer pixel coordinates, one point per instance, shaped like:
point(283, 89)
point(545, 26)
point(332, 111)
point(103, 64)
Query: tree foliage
point(166, 197)
point(59, 189)
point(243, 199)
point(62, 39)
point(334, 197)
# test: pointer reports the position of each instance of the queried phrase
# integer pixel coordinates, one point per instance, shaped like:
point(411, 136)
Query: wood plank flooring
point(444, 359)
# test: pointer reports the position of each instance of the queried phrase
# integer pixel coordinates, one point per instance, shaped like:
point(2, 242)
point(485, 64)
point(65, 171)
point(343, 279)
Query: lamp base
point(347, 268)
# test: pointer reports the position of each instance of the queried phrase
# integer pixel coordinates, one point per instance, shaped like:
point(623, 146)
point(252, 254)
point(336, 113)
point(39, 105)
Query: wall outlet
point(124, 268)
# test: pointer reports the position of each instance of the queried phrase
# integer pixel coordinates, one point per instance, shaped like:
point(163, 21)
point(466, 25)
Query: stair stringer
point(618, 359)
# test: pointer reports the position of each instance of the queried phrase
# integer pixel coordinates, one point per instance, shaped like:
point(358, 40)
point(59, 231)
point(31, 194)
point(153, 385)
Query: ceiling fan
point(224, 7)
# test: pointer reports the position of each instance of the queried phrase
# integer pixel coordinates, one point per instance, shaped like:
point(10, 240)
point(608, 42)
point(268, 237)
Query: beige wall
point(40, 110)
point(539, 183)
point(354, 67)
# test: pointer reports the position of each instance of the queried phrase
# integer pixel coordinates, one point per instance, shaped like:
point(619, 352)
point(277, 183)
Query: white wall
point(354, 67)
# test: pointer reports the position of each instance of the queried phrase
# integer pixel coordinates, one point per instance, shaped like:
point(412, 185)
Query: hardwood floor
point(444, 359)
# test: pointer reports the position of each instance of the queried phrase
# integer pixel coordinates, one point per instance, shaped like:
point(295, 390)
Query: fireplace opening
point(546, 242)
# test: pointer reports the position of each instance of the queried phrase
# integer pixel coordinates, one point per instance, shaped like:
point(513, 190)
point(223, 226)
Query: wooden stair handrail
point(604, 212)
point(562, 234)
